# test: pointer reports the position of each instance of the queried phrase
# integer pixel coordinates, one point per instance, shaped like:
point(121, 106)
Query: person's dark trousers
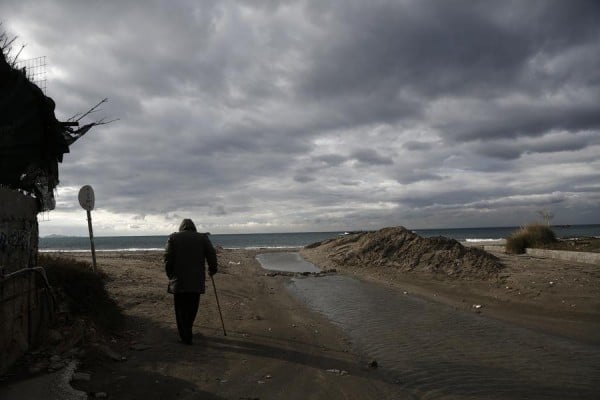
point(186, 308)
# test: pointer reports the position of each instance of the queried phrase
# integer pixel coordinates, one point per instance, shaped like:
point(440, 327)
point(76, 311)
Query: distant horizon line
point(334, 231)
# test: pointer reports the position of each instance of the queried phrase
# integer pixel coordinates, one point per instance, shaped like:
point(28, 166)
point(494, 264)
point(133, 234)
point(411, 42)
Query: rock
point(373, 364)
point(268, 376)
point(54, 358)
point(81, 376)
point(101, 395)
point(337, 371)
point(111, 354)
point(55, 366)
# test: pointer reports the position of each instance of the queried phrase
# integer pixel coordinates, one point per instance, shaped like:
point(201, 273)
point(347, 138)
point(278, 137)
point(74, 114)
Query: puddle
point(288, 262)
point(436, 352)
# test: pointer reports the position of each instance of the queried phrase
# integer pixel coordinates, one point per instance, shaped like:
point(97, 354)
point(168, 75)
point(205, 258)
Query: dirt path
point(275, 347)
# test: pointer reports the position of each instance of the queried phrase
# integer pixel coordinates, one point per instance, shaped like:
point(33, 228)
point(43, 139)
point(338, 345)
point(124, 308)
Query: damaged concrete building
point(32, 143)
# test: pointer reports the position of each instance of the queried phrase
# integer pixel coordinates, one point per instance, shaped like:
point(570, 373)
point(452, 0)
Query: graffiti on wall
point(15, 240)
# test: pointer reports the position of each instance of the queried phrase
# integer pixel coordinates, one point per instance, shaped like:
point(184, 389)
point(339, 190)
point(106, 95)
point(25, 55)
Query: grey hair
point(187, 225)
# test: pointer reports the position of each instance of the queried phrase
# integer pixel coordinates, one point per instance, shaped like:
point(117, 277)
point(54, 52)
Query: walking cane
point(218, 305)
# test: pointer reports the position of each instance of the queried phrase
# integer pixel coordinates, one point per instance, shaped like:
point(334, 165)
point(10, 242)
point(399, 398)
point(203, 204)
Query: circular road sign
point(86, 198)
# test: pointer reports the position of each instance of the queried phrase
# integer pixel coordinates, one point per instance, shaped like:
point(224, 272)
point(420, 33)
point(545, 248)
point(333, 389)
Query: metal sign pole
point(87, 200)
point(89, 219)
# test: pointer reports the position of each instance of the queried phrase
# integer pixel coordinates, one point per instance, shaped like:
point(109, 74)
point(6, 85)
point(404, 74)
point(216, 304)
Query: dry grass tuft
point(84, 291)
point(532, 235)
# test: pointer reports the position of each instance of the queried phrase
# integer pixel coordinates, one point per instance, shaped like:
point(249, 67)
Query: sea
point(288, 240)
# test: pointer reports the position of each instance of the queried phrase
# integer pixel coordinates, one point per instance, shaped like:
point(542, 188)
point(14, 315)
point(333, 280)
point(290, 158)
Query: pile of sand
point(404, 251)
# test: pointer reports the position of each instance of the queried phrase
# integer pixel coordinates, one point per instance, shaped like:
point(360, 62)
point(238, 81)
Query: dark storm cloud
point(304, 178)
point(413, 176)
point(426, 47)
point(511, 149)
point(326, 115)
point(330, 159)
point(415, 145)
point(446, 47)
point(371, 157)
point(516, 121)
point(390, 52)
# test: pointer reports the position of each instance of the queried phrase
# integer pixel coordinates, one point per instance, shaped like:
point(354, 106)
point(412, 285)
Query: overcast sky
point(275, 116)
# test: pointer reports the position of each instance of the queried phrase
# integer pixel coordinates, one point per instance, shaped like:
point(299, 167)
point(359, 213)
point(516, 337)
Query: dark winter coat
point(186, 254)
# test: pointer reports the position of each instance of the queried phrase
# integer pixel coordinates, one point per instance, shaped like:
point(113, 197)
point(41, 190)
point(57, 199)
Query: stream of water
point(436, 352)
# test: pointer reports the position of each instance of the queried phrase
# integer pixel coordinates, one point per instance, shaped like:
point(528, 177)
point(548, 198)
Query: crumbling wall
point(25, 299)
point(18, 230)
point(26, 313)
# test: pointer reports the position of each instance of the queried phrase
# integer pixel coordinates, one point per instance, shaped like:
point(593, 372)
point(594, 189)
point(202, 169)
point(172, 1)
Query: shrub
point(516, 243)
point(82, 289)
point(532, 235)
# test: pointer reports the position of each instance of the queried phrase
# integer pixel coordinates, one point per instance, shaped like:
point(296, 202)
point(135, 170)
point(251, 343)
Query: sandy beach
point(277, 347)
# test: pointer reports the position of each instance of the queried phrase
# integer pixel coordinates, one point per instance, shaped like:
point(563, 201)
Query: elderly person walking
point(186, 254)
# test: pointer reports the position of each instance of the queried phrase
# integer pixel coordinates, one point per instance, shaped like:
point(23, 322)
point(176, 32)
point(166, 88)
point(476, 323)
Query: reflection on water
point(290, 262)
point(436, 352)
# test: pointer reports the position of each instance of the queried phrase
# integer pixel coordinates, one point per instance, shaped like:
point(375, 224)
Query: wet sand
point(436, 351)
point(277, 347)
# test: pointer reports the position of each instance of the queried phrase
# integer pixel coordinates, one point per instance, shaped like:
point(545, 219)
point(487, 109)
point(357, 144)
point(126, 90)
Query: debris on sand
point(405, 251)
point(477, 308)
